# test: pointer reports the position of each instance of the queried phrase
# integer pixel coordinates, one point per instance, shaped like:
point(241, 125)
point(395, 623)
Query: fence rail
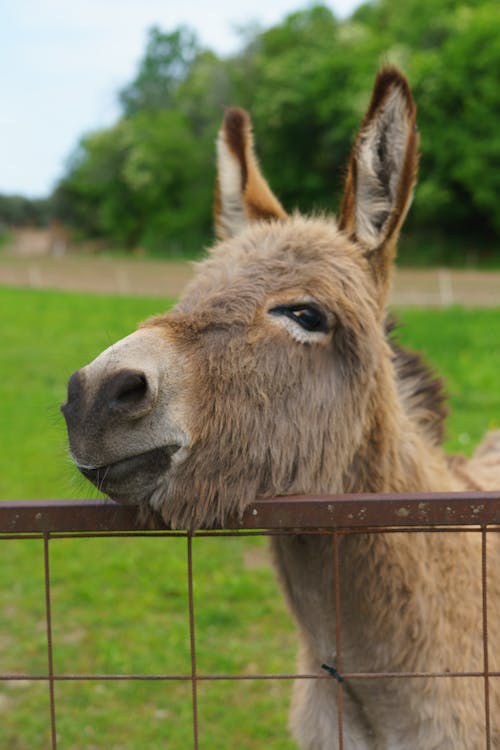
point(338, 512)
point(475, 512)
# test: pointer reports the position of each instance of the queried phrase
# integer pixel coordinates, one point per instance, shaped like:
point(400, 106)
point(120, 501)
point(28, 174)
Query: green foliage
point(18, 211)
point(147, 180)
point(456, 87)
point(166, 63)
point(143, 182)
point(94, 196)
point(308, 92)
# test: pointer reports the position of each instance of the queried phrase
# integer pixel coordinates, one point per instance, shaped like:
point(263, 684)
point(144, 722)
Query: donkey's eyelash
point(308, 316)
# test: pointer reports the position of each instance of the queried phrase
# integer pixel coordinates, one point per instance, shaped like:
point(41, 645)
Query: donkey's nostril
point(128, 392)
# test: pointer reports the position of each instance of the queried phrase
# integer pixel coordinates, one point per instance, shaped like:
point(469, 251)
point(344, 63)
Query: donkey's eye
point(309, 317)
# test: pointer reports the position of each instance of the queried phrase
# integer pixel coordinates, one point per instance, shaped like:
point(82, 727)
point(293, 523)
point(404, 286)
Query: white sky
point(62, 63)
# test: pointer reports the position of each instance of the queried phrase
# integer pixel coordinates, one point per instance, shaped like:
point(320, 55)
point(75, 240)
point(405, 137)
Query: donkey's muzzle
point(122, 414)
point(126, 394)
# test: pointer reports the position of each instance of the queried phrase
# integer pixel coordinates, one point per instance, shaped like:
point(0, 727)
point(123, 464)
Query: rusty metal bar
point(39, 516)
point(192, 640)
point(360, 511)
point(245, 533)
point(484, 585)
point(50, 653)
point(338, 641)
point(217, 677)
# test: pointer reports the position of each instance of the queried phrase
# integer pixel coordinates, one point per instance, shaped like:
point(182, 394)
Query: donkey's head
point(268, 376)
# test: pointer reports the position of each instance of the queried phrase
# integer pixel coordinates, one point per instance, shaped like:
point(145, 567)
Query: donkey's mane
point(421, 390)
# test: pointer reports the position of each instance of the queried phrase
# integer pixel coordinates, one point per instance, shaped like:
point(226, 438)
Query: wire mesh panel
point(108, 659)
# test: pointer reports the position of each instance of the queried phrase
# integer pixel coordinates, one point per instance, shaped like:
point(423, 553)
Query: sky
point(62, 63)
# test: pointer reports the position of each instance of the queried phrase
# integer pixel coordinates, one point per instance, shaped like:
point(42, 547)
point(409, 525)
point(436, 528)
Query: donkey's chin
point(131, 480)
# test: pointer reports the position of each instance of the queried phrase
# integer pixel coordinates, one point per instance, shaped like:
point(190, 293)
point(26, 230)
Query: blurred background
point(109, 113)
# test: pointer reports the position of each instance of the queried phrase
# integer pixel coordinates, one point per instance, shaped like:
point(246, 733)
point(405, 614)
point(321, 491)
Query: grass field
point(120, 605)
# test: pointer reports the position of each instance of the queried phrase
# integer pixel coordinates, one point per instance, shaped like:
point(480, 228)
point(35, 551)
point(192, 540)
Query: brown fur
point(387, 82)
point(237, 398)
point(257, 201)
point(420, 388)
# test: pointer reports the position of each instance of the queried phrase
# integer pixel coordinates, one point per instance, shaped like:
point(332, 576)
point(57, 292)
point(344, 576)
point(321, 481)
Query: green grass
point(463, 347)
point(120, 605)
point(45, 337)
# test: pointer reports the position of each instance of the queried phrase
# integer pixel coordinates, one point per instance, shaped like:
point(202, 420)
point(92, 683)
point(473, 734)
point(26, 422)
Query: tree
point(147, 180)
point(459, 103)
point(19, 211)
point(165, 65)
point(308, 77)
point(141, 183)
point(94, 196)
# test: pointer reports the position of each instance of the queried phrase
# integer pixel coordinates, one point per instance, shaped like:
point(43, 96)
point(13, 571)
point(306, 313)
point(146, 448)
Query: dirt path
point(435, 287)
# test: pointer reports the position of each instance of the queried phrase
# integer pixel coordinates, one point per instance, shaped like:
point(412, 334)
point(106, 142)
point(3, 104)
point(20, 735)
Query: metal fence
point(470, 512)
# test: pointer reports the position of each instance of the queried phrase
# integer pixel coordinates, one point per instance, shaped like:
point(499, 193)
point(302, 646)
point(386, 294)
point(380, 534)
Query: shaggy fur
point(275, 375)
point(419, 388)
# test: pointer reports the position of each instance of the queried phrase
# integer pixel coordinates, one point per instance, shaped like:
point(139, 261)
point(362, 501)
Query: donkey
point(275, 375)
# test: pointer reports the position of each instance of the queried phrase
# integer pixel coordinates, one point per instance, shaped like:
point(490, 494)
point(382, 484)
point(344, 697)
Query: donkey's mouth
point(133, 476)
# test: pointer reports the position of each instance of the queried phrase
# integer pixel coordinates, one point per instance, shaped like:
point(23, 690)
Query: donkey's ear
point(242, 194)
point(382, 171)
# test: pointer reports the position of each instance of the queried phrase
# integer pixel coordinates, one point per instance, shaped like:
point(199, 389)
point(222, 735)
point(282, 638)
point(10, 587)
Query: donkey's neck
point(395, 455)
point(374, 568)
